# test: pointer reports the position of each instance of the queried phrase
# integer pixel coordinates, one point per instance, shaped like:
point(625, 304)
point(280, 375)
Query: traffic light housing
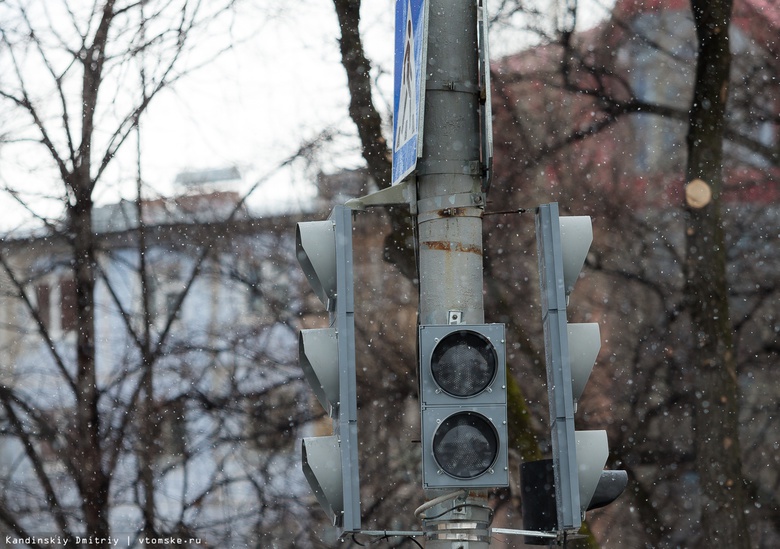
point(463, 406)
point(327, 358)
point(578, 457)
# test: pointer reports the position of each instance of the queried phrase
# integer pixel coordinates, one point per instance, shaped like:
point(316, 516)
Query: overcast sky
point(256, 105)
point(253, 107)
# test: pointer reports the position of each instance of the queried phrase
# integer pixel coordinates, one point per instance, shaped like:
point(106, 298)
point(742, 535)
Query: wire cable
point(435, 501)
point(505, 212)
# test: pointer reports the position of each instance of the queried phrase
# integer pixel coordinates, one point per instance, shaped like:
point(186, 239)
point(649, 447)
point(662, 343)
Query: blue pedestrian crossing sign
point(409, 86)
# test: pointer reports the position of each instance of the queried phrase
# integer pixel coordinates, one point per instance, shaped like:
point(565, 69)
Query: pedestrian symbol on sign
point(407, 109)
point(408, 91)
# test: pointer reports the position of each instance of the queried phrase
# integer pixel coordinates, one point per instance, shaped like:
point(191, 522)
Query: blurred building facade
point(217, 313)
point(214, 319)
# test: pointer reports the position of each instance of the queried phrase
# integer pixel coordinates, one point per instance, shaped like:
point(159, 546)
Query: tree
point(103, 64)
point(598, 121)
point(175, 418)
point(193, 457)
point(626, 88)
point(716, 408)
point(368, 121)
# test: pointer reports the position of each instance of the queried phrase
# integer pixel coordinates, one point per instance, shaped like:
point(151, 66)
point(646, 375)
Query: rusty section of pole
point(449, 178)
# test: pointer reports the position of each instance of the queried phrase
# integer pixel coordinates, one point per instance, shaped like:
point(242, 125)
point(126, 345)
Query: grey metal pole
point(449, 222)
point(450, 200)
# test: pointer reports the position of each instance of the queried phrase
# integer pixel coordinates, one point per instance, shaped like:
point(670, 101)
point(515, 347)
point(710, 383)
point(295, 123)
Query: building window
point(173, 430)
point(43, 299)
point(68, 317)
point(171, 299)
point(256, 302)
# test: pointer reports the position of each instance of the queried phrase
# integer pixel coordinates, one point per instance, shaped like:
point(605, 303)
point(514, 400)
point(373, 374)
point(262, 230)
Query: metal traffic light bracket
point(404, 192)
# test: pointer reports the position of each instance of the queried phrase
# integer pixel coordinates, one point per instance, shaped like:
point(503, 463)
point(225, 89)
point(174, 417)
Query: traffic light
point(578, 457)
point(463, 406)
point(327, 358)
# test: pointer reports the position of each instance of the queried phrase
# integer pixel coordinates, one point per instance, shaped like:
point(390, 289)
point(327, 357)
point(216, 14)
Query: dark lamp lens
point(465, 445)
point(464, 364)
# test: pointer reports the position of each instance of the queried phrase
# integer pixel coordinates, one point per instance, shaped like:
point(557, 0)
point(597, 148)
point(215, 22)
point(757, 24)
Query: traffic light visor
point(318, 356)
point(576, 238)
point(315, 245)
point(322, 468)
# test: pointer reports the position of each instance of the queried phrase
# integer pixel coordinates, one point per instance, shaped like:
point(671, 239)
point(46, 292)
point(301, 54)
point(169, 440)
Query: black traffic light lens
point(465, 445)
point(464, 364)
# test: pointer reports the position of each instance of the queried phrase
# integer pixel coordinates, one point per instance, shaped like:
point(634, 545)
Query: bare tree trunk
point(82, 138)
point(93, 481)
point(718, 454)
point(148, 422)
point(399, 243)
point(361, 105)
